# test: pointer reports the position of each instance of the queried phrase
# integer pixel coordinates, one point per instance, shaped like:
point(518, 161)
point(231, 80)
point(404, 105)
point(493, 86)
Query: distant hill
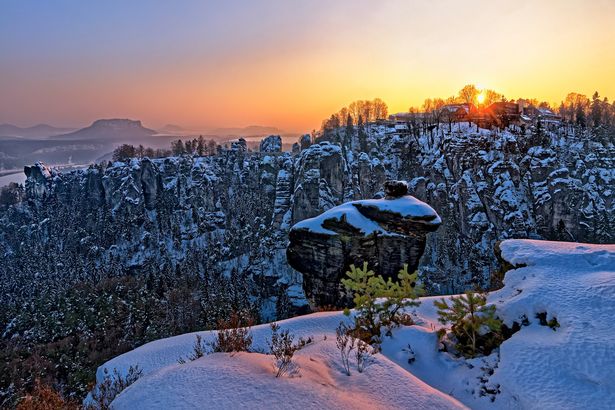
point(107, 130)
point(172, 129)
point(37, 131)
point(83, 146)
point(95, 142)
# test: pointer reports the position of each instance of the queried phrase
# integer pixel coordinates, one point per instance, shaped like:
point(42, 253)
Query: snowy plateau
point(569, 367)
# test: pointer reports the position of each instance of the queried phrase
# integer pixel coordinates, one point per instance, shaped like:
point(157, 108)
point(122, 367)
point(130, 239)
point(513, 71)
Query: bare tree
point(468, 94)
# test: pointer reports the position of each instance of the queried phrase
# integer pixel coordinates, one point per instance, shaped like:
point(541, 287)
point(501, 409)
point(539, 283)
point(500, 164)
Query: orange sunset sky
point(288, 63)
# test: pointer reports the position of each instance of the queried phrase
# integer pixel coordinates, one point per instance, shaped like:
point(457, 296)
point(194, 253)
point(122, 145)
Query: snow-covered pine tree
point(471, 318)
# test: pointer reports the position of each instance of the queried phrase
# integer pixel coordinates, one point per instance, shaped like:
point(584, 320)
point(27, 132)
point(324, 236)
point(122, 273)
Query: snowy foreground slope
point(247, 380)
point(538, 367)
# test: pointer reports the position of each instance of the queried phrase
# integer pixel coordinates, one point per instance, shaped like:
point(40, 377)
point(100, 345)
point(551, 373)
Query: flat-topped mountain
point(172, 129)
point(82, 146)
point(110, 130)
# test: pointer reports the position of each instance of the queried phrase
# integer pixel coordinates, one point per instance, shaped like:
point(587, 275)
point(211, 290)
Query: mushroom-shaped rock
point(386, 233)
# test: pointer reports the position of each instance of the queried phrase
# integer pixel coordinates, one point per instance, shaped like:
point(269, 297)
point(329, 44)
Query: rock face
point(234, 209)
point(395, 189)
point(272, 143)
point(210, 215)
point(386, 233)
point(38, 180)
point(323, 179)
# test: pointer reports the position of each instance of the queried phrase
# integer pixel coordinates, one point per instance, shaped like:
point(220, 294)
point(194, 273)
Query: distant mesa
point(82, 146)
point(109, 130)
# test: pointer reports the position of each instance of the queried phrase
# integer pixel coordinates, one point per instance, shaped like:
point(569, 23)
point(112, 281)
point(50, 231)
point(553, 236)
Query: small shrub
point(326, 308)
point(346, 344)
point(363, 355)
point(45, 398)
point(233, 335)
point(474, 324)
point(406, 319)
point(553, 323)
point(411, 354)
point(373, 314)
point(112, 385)
point(282, 348)
point(199, 349)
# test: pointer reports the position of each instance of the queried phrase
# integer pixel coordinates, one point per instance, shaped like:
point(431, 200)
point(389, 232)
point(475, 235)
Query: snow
point(406, 206)
point(248, 380)
point(574, 365)
point(570, 367)
point(347, 210)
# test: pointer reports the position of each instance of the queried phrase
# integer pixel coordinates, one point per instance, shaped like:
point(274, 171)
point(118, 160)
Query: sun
point(480, 97)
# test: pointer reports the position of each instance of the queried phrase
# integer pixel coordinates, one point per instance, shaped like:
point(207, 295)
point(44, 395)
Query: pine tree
point(200, 146)
point(580, 116)
point(362, 135)
point(177, 148)
point(368, 288)
point(349, 132)
point(596, 110)
point(469, 315)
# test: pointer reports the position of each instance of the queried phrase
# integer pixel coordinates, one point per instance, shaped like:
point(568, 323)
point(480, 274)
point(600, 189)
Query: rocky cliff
point(234, 210)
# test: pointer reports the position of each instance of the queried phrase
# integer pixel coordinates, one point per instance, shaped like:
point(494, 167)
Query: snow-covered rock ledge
point(570, 367)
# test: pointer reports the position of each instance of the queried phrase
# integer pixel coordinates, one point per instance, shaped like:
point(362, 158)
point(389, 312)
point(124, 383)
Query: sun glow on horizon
point(289, 64)
point(480, 97)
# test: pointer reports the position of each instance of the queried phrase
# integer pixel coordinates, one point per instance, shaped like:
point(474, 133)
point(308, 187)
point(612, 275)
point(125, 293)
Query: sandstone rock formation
point(272, 143)
point(233, 210)
point(305, 141)
point(386, 233)
point(38, 180)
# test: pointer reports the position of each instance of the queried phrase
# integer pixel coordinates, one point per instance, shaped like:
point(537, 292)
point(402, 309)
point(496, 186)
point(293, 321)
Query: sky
point(288, 63)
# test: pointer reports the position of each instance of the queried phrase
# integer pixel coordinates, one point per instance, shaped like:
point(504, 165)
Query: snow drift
point(570, 366)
